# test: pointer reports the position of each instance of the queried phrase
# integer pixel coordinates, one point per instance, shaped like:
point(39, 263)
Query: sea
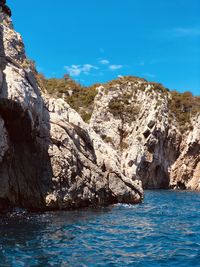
point(164, 230)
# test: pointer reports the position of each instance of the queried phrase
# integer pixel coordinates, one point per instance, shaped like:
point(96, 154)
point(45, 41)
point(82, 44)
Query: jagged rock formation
point(4, 8)
point(136, 119)
point(50, 158)
point(185, 172)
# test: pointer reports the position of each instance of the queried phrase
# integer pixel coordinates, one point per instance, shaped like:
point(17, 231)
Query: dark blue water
point(163, 231)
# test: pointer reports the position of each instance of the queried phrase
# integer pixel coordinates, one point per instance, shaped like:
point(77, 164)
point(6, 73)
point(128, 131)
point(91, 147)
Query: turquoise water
point(163, 231)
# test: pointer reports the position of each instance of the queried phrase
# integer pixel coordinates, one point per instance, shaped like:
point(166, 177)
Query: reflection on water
point(163, 231)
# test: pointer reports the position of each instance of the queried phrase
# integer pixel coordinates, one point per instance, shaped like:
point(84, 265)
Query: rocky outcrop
point(50, 158)
point(134, 117)
point(185, 172)
point(4, 8)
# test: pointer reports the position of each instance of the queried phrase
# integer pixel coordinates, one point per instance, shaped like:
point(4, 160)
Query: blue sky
point(98, 40)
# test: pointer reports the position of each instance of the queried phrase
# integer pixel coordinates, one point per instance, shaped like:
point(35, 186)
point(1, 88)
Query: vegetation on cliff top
point(79, 97)
point(123, 108)
point(182, 106)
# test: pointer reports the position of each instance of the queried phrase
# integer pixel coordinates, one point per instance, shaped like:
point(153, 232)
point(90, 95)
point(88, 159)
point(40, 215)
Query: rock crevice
point(49, 158)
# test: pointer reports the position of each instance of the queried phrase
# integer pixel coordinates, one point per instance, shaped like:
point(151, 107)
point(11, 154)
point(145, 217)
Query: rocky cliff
point(139, 134)
point(50, 158)
point(154, 131)
point(185, 172)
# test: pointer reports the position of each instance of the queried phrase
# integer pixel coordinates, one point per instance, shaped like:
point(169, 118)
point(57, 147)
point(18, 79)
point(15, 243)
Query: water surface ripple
point(163, 231)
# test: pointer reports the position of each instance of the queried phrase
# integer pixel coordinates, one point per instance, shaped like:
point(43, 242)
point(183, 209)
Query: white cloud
point(186, 32)
point(73, 70)
point(104, 62)
point(76, 70)
point(115, 67)
point(86, 68)
point(150, 75)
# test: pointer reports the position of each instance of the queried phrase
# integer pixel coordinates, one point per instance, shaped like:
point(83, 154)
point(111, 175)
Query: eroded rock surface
point(186, 170)
point(134, 117)
point(50, 158)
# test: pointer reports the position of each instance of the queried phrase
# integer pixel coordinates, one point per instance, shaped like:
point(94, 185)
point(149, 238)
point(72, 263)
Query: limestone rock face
point(133, 117)
point(50, 158)
point(186, 170)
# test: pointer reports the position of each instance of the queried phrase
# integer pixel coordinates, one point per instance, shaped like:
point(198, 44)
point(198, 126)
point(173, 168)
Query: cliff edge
point(50, 158)
point(138, 135)
point(155, 132)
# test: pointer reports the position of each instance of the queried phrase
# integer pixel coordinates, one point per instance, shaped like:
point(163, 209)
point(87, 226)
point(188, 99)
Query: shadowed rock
point(4, 8)
point(49, 158)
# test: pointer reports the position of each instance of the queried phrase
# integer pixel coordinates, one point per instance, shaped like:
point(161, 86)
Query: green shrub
point(77, 96)
point(184, 106)
point(121, 81)
point(106, 138)
point(124, 109)
point(159, 87)
point(86, 115)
